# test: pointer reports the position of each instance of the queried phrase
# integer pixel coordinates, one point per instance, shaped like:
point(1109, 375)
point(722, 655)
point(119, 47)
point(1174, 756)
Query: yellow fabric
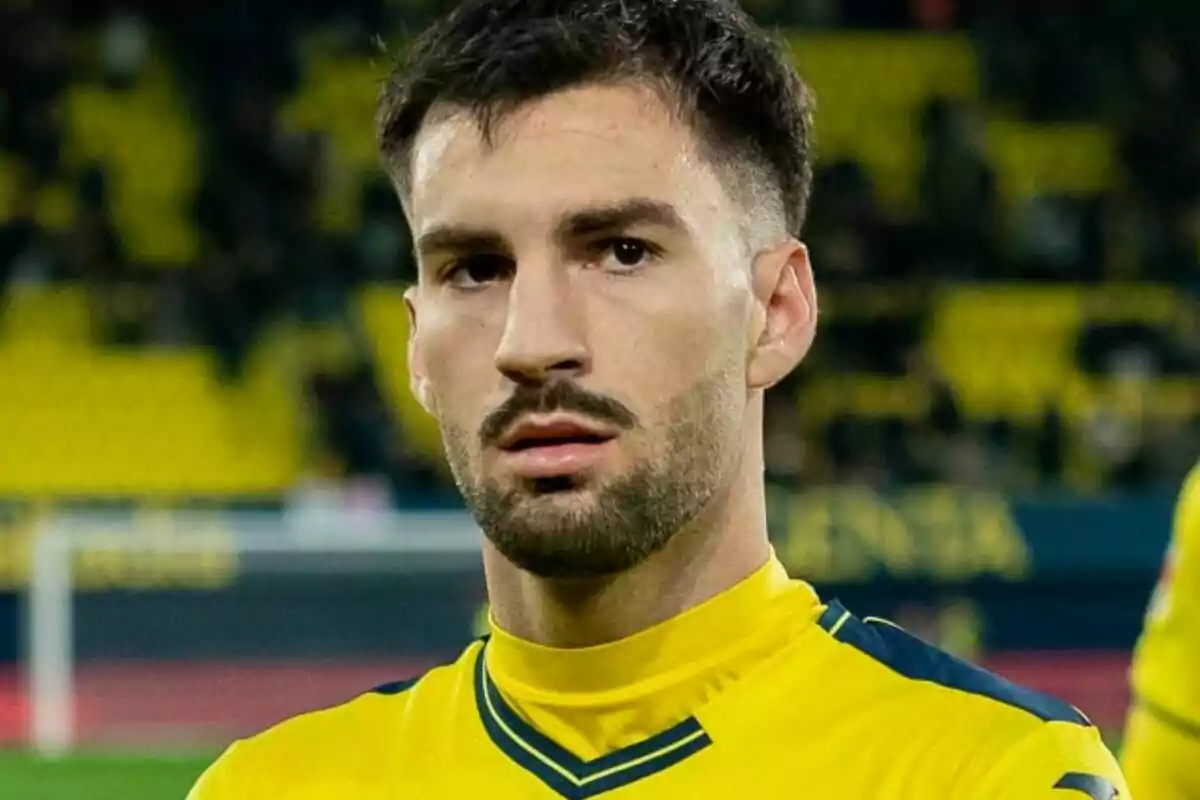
point(1160, 757)
point(1163, 737)
point(596, 700)
point(758, 693)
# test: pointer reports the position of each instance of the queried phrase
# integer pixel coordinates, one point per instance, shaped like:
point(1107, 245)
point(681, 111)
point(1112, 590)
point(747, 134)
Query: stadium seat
point(1006, 350)
point(1064, 159)
point(140, 423)
point(869, 396)
point(147, 142)
point(887, 79)
point(45, 313)
point(336, 96)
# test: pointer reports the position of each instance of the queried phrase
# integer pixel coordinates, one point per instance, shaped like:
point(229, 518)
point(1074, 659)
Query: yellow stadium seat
point(1006, 350)
point(142, 423)
point(1038, 159)
point(338, 99)
point(1145, 303)
point(1176, 398)
point(146, 140)
point(1010, 351)
point(886, 79)
point(865, 396)
point(45, 313)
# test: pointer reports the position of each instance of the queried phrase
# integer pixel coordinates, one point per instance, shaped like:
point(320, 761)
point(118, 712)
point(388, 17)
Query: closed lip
point(555, 429)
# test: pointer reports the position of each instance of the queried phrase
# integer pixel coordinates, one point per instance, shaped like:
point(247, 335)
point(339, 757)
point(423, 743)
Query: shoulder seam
point(397, 687)
point(906, 655)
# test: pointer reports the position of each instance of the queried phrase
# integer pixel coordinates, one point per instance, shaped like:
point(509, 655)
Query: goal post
point(164, 629)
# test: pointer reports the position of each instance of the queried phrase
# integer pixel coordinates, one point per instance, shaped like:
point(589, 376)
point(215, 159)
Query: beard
point(540, 528)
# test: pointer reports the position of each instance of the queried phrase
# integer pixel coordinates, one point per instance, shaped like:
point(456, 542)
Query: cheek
point(458, 361)
point(666, 354)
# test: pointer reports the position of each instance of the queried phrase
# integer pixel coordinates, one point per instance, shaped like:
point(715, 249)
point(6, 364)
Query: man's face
point(581, 325)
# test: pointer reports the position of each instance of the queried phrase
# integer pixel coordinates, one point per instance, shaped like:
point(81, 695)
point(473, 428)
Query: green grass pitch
point(98, 777)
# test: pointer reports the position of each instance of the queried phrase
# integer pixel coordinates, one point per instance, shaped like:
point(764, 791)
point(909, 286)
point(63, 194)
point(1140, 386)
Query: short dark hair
point(734, 84)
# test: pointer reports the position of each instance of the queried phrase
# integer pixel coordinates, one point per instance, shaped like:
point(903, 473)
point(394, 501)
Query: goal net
point(186, 631)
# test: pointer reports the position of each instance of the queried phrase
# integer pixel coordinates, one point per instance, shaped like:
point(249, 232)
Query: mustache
point(559, 396)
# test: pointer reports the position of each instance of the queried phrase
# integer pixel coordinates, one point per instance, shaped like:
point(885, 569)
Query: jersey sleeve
point(1162, 735)
point(224, 779)
point(1160, 754)
point(1164, 673)
point(1058, 761)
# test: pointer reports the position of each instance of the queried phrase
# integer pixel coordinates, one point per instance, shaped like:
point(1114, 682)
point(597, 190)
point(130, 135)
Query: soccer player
point(1162, 740)
point(605, 198)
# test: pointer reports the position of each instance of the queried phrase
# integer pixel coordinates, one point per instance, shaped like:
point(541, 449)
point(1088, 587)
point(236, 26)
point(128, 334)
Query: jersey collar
point(646, 660)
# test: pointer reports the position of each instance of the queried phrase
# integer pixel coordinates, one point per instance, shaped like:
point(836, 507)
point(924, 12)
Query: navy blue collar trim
point(563, 771)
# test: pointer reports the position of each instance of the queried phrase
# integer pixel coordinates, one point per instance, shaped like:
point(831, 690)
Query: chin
point(558, 493)
point(564, 485)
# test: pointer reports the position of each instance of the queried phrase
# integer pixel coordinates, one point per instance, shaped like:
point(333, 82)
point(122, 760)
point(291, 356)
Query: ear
point(418, 381)
point(787, 313)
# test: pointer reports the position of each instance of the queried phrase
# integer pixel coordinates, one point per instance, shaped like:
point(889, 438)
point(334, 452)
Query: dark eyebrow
point(574, 224)
point(616, 217)
point(456, 239)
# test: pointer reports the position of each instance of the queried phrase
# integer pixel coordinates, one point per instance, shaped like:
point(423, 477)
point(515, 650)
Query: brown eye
point(477, 270)
point(629, 252)
point(625, 254)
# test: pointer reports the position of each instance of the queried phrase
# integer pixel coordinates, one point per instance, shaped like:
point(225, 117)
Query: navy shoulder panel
point(909, 656)
point(396, 687)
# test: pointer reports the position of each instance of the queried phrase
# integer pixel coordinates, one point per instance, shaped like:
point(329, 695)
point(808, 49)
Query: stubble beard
point(623, 522)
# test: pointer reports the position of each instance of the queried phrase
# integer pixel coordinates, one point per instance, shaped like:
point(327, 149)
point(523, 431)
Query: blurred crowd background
point(200, 261)
point(201, 269)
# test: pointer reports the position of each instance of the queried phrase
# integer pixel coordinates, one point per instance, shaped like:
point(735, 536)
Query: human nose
point(544, 334)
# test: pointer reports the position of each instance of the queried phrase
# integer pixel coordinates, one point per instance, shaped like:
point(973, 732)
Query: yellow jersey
point(1162, 740)
point(761, 692)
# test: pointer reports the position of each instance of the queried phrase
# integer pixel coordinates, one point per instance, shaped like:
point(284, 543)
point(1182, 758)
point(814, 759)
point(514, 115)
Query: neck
point(723, 546)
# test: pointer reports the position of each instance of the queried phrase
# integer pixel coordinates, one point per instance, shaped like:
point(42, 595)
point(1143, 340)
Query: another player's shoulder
point(1169, 642)
point(1191, 484)
point(996, 738)
point(1187, 512)
point(335, 740)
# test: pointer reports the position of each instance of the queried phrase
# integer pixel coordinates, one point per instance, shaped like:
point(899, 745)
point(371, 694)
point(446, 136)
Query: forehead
point(578, 147)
